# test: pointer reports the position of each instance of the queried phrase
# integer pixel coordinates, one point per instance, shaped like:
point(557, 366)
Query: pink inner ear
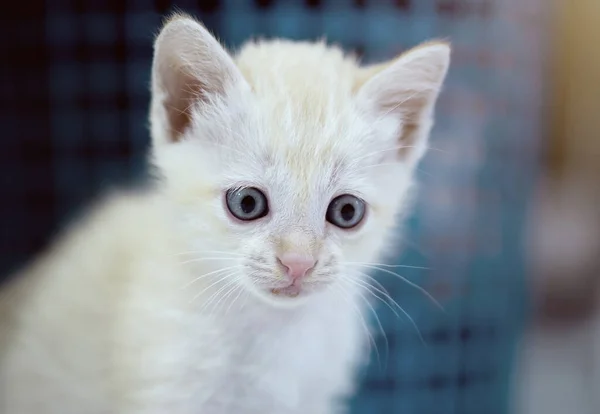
point(189, 65)
point(408, 139)
point(179, 108)
point(412, 106)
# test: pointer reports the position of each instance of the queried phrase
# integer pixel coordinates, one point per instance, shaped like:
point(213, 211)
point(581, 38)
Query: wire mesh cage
point(92, 96)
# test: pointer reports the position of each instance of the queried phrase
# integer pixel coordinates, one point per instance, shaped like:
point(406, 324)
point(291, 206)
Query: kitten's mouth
point(291, 291)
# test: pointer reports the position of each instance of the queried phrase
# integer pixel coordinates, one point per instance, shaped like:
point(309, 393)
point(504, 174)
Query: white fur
point(130, 312)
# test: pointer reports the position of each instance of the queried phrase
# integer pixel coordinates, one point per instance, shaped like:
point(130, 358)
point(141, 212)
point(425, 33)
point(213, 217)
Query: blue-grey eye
point(247, 203)
point(345, 211)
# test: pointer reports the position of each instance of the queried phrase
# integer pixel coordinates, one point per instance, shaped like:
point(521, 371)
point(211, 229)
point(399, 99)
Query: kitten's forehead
point(302, 157)
point(306, 166)
point(304, 138)
point(302, 84)
point(300, 173)
point(318, 156)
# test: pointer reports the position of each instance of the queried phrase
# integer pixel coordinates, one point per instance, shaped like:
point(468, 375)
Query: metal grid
point(74, 106)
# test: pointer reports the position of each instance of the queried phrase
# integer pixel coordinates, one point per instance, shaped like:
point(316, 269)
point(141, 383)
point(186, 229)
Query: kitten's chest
point(294, 358)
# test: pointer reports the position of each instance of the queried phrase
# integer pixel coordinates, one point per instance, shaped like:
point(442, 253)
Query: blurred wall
point(565, 221)
point(574, 115)
point(559, 369)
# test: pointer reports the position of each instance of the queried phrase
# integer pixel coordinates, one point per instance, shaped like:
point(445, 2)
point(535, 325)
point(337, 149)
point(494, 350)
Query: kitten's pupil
point(347, 212)
point(248, 204)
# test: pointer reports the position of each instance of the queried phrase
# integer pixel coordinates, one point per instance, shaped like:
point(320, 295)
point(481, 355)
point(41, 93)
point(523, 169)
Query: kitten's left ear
point(406, 88)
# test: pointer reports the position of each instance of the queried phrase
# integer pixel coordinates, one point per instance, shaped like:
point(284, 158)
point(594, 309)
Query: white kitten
point(231, 286)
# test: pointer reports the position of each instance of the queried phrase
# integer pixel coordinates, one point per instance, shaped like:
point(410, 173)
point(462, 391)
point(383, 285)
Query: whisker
point(369, 288)
point(378, 321)
point(387, 265)
point(215, 294)
point(247, 297)
point(235, 278)
point(368, 303)
point(241, 290)
point(209, 251)
point(209, 274)
point(346, 297)
point(211, 285)
point(414, 285)
point(374, 281)
point(387, 295)
point(201, 259)
point(372, 343)
point(228, 293)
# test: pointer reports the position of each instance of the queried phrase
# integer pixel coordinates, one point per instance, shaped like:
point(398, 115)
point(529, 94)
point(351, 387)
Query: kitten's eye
point(346, 211)
point(247, 203)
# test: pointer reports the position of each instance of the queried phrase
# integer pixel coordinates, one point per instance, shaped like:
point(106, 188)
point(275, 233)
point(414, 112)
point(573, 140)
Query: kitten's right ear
point(190, 67)
point(407, 89)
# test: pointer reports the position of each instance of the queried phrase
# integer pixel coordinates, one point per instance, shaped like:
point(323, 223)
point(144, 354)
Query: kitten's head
point(289, 163)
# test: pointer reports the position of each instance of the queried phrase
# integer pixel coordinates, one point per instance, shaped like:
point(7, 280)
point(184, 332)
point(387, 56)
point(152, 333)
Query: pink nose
point(295, 265)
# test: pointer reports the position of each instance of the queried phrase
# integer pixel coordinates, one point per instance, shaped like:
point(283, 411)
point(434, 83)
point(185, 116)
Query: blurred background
point(508, 219)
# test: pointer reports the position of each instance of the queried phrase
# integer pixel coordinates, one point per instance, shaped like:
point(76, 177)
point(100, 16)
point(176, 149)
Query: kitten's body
point(93, 330)
point(159, 301)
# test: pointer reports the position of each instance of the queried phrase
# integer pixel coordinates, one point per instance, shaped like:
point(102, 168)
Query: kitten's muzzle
point(295, 267)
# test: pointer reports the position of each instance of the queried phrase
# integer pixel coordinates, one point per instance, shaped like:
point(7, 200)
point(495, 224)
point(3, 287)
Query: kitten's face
point(298, 206)
point(288, 167)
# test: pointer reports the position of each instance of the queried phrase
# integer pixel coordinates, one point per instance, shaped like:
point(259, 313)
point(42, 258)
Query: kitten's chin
point(287, 296)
